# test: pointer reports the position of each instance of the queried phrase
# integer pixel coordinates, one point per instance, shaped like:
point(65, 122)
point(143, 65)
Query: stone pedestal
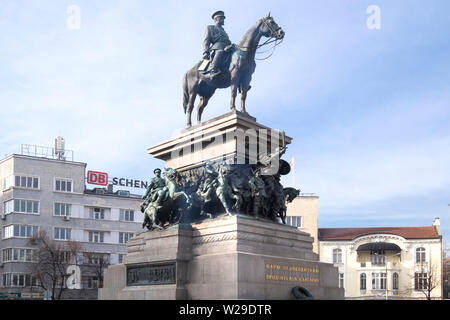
point(229, 257)
point(235, 257)
point(230, 137)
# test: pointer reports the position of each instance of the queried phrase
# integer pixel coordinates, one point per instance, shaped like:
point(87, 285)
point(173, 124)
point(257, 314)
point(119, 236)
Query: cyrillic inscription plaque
point(151, 274)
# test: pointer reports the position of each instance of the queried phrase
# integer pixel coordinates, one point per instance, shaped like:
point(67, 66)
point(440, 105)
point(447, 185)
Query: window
point(379, 281)
point(17, 254)
point(124, 237)
point(8, 206)
point(63, 185)
point(96, 236)
point(62, 233)
point(65, 256)
point(420, 281)
point(420, 255)
point(123, 193)
point(337, 256)
point(91, 282)
point(97, 213)
point(23, 231)
point(26, 182)
point(126, 215)
point(18, 280)
point(121, 258)
point(377, 257)
point(295, 221)
point(8, 182)
point(362, 281)
point(341, 280)
point(62, 209)
point(21, 206)
point(21, 182)
point(97, 258)
point(395, 281)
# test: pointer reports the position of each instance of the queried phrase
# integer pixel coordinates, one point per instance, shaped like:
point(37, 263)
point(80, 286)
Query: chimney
point(110, 188)
point(437, 225)
point(437, 221)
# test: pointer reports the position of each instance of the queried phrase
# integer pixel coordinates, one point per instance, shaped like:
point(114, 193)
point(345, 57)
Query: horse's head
point(170, 174)
point(270, 28)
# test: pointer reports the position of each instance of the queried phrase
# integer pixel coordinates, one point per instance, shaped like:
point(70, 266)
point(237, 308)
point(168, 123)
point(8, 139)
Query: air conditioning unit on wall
point(3, 216)
point(66, 218)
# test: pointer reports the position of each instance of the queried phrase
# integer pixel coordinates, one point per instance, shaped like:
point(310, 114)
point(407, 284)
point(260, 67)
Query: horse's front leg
point(200, 107)
point(190, 107)
point(244, 90)
point(233, 96)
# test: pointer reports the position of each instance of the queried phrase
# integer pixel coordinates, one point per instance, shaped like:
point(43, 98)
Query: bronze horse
point(239, 73)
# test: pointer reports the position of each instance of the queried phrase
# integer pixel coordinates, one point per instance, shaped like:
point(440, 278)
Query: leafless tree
point(96, 263)
point(52, 259)
point(426, 280)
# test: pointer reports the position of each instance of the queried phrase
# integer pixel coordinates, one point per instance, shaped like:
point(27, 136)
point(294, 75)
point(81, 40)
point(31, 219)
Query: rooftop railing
point(46, 152)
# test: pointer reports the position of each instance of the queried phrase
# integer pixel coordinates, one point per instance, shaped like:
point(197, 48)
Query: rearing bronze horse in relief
point(237, 76)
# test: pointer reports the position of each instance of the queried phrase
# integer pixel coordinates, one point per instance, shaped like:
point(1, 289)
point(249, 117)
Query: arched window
point(420, 255)
point(362, 281)
point(337, 256)
point(395, 281)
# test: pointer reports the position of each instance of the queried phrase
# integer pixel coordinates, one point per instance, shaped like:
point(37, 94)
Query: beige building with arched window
point(385, 263)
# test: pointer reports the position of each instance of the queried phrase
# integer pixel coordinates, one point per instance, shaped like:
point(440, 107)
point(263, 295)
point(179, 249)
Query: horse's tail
point(185, 92)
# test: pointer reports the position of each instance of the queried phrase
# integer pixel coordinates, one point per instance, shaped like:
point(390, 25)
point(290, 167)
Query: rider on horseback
point(216, 44)
point(156, 190)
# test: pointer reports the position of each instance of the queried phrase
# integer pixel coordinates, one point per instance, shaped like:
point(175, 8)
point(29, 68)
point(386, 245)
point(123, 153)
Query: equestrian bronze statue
point(226, 64)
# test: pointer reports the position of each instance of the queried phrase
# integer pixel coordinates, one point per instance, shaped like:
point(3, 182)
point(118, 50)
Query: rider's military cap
point(218, 13)
point(157, 169)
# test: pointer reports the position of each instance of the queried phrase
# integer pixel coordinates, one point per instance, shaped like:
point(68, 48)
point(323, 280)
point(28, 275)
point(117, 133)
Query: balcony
point(390, 265)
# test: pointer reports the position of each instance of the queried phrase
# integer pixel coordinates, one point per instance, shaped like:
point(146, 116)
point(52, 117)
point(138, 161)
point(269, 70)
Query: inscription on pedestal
point(151, 274)
point(296, 273)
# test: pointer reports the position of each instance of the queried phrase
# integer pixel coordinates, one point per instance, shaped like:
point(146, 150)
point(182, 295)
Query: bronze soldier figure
point(216, 43)
point(224, 191)
point(207, 187)
point(257, 185)
point(155, 190)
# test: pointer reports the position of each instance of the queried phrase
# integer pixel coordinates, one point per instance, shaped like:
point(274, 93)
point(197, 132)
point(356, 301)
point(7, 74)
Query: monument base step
point(235, 257)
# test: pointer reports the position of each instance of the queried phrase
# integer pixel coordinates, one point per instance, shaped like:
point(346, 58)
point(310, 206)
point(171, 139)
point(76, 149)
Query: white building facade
point(41, 193)
point(386, 263)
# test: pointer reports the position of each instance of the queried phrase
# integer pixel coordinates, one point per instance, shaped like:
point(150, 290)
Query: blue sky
point(369, 110)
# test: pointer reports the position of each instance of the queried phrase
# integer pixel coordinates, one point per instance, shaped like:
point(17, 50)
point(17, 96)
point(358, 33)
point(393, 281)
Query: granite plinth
point(235, 257)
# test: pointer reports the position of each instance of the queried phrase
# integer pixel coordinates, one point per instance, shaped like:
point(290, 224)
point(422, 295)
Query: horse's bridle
point(273, 34)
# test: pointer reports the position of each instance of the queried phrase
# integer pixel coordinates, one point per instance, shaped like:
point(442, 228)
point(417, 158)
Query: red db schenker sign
point(95, 177)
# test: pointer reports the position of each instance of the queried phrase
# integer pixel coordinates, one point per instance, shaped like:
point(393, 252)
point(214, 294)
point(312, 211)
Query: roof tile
point(428, 232)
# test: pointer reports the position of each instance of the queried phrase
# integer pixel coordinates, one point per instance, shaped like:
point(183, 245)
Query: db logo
point(100, 178)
